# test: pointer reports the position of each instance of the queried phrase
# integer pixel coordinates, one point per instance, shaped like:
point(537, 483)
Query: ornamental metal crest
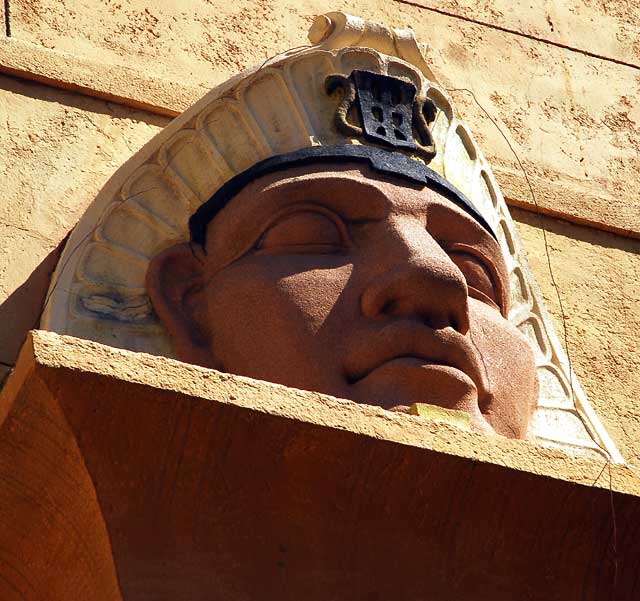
point(387, 109)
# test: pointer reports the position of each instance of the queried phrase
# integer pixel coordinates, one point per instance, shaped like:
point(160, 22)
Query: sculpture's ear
point(175, 283)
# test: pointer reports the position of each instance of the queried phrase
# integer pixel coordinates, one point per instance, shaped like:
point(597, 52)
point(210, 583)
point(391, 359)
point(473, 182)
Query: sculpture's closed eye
point(305, 229)
point(479, 278)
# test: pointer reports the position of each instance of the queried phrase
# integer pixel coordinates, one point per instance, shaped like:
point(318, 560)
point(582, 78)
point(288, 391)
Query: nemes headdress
point(361, 92)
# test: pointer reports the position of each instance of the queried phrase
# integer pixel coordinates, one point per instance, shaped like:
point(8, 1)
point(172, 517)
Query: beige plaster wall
point(568, 99)
point(57, 151)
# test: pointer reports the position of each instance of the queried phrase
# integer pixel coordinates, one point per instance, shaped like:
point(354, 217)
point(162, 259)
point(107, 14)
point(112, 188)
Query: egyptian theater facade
point(350, 315)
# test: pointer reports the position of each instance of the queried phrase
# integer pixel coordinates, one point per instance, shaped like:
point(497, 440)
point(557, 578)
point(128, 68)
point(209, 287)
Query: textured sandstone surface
point(54, 541)
point(50, 352)
point(57, 151)
point(597, 277)
point(573, 118)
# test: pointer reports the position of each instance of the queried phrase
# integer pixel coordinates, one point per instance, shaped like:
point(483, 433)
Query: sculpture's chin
point(408, 380)
point(401, 382)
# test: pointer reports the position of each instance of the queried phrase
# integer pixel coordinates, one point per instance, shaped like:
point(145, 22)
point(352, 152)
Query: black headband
point(383, 161)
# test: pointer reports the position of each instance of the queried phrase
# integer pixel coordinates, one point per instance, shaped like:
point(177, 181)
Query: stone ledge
point(50, 350)
point(166, 480)
point(120, 84)
point(571, 202)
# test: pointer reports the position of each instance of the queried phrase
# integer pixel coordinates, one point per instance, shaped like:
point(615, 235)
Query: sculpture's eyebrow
point(353, 198)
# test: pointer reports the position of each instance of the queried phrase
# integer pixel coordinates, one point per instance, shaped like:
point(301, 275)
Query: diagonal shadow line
point(521, 34)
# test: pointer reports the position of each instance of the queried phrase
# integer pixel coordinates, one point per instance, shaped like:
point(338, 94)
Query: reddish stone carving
point(340, 280)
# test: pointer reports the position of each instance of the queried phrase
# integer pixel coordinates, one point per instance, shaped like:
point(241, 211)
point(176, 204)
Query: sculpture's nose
point(414, 277)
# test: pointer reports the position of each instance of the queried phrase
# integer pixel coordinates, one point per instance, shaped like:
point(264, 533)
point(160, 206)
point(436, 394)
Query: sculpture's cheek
point(283, 321)
point(510, 368)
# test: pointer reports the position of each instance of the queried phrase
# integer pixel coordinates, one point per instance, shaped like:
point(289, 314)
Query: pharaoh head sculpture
point(327, 222)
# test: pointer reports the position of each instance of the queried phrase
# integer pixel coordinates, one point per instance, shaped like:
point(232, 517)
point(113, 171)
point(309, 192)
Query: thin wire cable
point(542, 227)
point(547, 255)
point(290, 52)
point(566, 340)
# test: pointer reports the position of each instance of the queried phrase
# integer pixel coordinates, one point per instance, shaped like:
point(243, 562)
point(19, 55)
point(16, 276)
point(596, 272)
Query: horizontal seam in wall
point(69, 86)
point(29, 233)
point(520, 34)
point(36, 63)
point(570, 218)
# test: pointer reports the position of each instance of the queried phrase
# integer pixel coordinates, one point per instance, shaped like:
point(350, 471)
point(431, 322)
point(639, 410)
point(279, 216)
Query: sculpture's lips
point(413, 344)
point(408, 361)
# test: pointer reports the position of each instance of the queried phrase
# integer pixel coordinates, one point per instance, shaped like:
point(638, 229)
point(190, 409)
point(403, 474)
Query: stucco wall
point(57, 150)
point(562, 81)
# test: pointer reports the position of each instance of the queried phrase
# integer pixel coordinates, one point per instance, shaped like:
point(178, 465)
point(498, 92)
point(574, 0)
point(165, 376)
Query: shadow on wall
point(21, 311)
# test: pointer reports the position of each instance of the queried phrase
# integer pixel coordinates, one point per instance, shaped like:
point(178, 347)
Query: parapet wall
point(240, 489)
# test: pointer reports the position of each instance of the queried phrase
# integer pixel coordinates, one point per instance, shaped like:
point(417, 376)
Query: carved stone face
point(339, 280)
